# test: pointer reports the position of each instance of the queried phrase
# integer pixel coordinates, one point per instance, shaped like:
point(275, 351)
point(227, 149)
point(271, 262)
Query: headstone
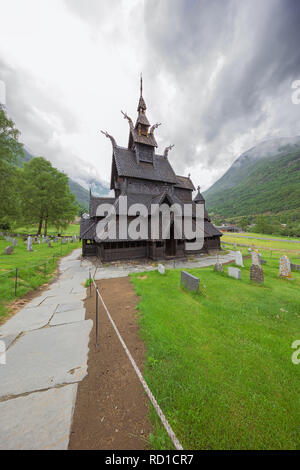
point(256, 273)
point(49, 245)
point(239, 258)
point(189, 281)
point(15, 242)
point(161, 269)
point(234, 272)
point(9, 250)
point(1, 234)
point(255, 258)
point(29, 243)
point(263, 261)
point(44, 240)
point(218, 267)
point(285, 267)
point(295, 267)
point(7, 238)
point(234, 246)
point(74, 238)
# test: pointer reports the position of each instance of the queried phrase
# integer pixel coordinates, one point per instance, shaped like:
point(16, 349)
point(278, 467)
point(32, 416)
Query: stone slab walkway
point(124, 269)
point(46, 356)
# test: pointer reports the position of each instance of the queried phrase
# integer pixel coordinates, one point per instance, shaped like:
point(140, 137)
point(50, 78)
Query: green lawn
point(268, 244)
point(71, 229)
point(34, 269)
point(219, 363)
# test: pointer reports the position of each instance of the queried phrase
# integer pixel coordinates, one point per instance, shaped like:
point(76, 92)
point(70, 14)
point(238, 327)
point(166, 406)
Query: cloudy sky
point(217, 75)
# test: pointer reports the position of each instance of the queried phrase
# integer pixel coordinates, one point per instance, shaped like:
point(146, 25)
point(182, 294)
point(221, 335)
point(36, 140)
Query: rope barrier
point(158, 410)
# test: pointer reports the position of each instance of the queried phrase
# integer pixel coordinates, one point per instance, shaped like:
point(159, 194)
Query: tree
point(46, 196)
point(10, 151)
point(243, 223)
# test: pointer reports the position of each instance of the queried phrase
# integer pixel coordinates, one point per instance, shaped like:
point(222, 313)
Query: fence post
point(16, 282)
point(45, 270)
point(97, 317)
point(90, 282)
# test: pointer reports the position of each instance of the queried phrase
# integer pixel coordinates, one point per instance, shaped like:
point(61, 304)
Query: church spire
point(142, 105)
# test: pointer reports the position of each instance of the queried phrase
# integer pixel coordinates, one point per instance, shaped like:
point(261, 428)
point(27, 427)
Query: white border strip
point(138, 373)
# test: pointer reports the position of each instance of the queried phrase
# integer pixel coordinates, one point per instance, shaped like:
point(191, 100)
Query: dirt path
point(111, 410)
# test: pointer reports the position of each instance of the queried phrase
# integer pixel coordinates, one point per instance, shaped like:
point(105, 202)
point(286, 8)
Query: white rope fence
point(158, 410)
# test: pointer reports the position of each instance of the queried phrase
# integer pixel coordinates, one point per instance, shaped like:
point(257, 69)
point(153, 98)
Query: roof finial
point(141, 87)
point(198, 189)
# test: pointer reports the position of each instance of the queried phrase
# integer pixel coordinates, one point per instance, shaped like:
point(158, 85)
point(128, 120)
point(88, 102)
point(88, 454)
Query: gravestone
point(263, 261)
point(256, 273)
point(239, 259)
point(29, 243)
point(189, 281)
point(9, 250)
point(295, 267)
point(49, 245)
point(234, 272)
point(218, 267)
point(161, 269)
point(74, 238)
point(7, 238)
point(255, 258)
point(285, 267)
point(15, 242)
point(234, 246)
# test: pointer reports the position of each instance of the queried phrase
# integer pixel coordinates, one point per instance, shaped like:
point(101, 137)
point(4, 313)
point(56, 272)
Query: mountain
point(264, 179)
point(82, 195)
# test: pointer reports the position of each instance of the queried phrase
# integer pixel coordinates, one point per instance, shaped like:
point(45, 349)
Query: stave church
point(146, 177)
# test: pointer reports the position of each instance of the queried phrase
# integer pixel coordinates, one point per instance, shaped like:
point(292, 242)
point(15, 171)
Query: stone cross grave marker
point(189, 281)
point(255, 258)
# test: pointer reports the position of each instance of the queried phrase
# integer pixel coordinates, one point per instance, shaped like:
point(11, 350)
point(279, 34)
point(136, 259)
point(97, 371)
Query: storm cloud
point(217, 74)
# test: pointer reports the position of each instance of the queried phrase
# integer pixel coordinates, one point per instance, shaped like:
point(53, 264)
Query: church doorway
point(171, 243)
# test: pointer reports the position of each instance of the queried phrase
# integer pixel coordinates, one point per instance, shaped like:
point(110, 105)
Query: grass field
point(34, 269)
point(219, 363)
point(71, 229)
point(283, 246)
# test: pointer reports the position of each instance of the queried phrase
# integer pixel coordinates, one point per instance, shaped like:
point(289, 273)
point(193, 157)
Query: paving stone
point(38, 421)
point(46, 358)
point(27, 319)
point(8, 340)
point(68, 317)
point(65, 307)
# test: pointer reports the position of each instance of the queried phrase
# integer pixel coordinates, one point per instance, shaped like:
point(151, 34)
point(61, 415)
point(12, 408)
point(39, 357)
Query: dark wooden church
point(146, 177)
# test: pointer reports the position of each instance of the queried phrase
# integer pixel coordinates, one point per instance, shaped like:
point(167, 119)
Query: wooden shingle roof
point(126, 165)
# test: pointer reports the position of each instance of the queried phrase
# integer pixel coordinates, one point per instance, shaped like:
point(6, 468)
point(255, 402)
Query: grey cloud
point(35, 112)
point(259, 42)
